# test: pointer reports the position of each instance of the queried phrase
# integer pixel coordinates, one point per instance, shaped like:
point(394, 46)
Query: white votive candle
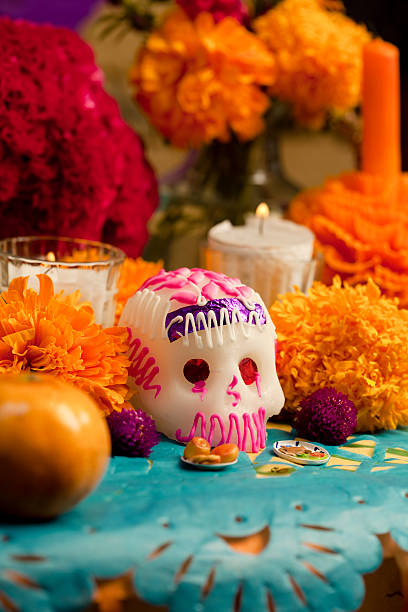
point(270, 254)
point(92, 267)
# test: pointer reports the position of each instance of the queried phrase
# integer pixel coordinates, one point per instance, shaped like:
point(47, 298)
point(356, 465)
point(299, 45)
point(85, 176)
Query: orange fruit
point(197, 446)
point(227, 452)
point(54, 445)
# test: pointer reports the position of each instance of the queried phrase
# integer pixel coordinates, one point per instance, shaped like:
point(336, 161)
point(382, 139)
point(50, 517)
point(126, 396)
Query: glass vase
point(221, 181)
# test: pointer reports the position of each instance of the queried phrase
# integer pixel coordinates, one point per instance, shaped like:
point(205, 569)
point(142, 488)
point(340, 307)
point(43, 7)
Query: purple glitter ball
point(133, 433)
point(327, 416)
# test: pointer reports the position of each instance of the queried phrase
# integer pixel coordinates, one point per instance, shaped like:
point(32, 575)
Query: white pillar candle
point(268, 253)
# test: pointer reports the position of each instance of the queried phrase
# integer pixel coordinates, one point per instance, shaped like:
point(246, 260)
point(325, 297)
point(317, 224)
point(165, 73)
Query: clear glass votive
point(92, 267)
point(270, 274)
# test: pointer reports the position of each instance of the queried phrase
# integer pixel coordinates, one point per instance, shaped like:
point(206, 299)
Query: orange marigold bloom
point(361, 225)
point(198, 80)
point(133, 274)
point(350, 338)
point(54, 334)
point(318, 55)
point(85, 255)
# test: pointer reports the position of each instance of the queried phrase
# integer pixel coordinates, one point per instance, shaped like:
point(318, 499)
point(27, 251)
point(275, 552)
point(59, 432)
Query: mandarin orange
point(54, 445)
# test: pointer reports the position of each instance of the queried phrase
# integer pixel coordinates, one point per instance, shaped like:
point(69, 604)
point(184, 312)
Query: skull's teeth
point(246, 431)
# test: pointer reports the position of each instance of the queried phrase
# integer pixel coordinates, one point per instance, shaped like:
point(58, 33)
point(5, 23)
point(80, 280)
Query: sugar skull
point(202, 352)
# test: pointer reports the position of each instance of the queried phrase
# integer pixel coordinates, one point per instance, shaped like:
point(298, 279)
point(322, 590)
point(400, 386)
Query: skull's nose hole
point(196, 370)
point(249, 370)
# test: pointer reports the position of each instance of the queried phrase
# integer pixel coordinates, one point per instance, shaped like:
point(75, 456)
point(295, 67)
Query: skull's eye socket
point(196, 369)
point(249, 370)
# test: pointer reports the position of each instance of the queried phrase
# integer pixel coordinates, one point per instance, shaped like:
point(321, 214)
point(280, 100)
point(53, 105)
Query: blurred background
point(306, 157)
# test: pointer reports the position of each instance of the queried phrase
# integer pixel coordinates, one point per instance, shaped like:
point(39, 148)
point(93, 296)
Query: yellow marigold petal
point(46, 289)
point(18, 340)
point(372, 290)
point(133, 274)
point(19, 285)
point(351, 338)
point(47, 332)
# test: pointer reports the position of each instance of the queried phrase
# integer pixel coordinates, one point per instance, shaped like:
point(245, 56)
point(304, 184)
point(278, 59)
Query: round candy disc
point(304, 453)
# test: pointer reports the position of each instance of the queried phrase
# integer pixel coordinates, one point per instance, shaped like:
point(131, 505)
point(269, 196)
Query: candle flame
point(262, 211)
point(50, 256)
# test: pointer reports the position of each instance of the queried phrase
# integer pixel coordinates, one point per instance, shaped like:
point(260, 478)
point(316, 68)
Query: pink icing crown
point(192, 286)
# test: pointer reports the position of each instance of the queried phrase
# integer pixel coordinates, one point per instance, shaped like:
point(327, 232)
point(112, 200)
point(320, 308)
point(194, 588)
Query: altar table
point(263, 535)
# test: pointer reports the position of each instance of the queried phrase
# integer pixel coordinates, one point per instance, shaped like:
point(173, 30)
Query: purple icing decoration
point(176, 330)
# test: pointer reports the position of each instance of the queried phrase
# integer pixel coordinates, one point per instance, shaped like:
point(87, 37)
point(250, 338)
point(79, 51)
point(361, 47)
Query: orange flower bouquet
point(318, 55)
point(56, 334)
point(200, 81)
point(205, 75)
point(212, 76)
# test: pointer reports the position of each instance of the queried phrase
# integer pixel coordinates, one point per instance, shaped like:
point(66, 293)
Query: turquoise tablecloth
point(156, 516)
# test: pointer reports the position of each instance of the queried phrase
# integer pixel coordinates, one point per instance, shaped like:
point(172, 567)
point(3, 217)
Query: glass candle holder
point(92, 267)
point(267, 253)
point(267, 273)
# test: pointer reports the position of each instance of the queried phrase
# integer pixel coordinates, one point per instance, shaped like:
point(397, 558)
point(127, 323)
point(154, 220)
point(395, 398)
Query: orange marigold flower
point(89, 254)
point(361, 225)
point(318, 56)
point(133, 274)
point(350, 338)
point(53, 333)
point(198, 80)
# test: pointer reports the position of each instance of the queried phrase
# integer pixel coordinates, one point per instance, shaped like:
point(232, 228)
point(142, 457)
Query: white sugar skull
point(203, 357)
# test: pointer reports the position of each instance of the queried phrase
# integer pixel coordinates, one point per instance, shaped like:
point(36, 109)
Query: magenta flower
point(69, 165)
point(326, 416)
point(218, 8)
point(133, 433)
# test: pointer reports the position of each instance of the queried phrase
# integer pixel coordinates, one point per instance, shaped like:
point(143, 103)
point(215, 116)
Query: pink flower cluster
point(69, 165)
point(218, 8)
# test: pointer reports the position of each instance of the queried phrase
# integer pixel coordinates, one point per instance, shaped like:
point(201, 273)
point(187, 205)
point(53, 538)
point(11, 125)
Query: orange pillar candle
point(381, 147)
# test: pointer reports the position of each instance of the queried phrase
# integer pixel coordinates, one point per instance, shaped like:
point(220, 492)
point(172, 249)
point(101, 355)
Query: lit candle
point(280, 237)
point(91, 267)
point(271, 260)
point(381, 148)
point(262, 213)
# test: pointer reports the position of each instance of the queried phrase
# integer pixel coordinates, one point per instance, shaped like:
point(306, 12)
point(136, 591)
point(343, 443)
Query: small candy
point(206, 459)
point(197, 446)
point(226, 452)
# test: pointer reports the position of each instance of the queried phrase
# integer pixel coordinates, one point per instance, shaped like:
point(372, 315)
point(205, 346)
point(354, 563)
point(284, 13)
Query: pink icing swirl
point(235, 394)
point(141, 369)
point(197, 284)
point(252, 425)
point(258, 383)
point(200, 388)
point(190, 436)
